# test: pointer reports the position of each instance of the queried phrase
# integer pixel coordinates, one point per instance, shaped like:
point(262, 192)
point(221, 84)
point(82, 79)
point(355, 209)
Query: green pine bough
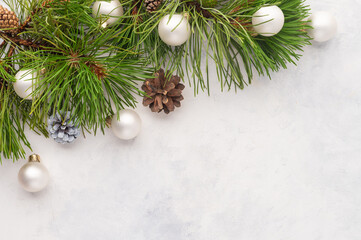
point(86, 68)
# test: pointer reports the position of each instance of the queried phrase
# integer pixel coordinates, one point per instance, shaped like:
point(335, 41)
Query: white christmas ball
point(268, 21)
point(33, 176)
point(127, 126)
point(174, 30)
point(108, 12)
point(324, 26)
point(25, 80)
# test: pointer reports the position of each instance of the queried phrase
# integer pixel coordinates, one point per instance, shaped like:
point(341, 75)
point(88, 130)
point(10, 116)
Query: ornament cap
point(108, 120)
point(34, 158)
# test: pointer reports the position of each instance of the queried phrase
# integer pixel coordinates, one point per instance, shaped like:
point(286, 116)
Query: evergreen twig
point(94, 72)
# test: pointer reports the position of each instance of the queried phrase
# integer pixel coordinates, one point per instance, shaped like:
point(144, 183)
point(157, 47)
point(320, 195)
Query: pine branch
point(227, 35)
point(84, 75)
point(87, 69)
point(28, 20)
point(88, 83)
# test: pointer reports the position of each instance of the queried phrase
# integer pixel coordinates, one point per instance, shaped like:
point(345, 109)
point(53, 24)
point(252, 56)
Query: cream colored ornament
point(268, 21)
point(174, 30)
point(33, 176)
point(324, 26)
point(25, 81)
point(127, 126)
point(108, 13)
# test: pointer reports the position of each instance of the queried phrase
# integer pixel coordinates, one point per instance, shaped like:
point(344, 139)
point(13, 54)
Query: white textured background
point(277, 161)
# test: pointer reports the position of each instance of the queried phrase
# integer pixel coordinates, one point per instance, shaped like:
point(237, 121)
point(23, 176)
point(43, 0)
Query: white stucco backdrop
point(277, 161)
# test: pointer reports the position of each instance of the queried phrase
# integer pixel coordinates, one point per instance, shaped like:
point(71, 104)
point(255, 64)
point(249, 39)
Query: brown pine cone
point(8, 19)
point(162, 93)
point(152, 5)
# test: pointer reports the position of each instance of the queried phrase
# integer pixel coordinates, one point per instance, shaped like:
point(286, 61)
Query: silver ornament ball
point(108, 12)
point(25, 80)
point(33, 176)
point(268, 21)
point(127, 126)
point(174, 30)
point(324, 26)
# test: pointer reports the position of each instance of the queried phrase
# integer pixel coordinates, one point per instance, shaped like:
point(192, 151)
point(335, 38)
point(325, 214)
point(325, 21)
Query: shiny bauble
point(33, 176)
point(107, 12)
point(174, 30)
point(268, 21)
point(25, 81)
point(127, 126)
point(324, 26)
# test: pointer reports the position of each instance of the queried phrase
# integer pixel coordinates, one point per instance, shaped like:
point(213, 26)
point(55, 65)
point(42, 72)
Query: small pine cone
point(62, 129)
point(162, 93)
point(152, 5)
point(8, 20)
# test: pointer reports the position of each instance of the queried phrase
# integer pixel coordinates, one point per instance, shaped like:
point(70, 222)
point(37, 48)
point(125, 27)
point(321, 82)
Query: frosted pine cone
point(62, 129)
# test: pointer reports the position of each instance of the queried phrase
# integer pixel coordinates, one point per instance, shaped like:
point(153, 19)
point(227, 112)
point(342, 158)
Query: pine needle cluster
point(94, 72)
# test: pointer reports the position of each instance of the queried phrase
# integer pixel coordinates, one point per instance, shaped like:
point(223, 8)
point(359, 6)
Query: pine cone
point(8, 19)
point(152, 5)
point(163, 94)
point(62, 129)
